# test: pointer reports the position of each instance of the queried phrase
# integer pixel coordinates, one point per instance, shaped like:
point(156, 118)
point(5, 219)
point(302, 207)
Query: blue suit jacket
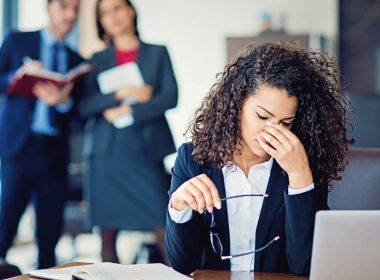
point(17, 111)
point(156, 69)
point(291, 217)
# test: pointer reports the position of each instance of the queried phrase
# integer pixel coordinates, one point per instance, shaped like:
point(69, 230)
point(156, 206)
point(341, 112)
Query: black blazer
point(17, 112)
point(291, 217)
point(156, 69)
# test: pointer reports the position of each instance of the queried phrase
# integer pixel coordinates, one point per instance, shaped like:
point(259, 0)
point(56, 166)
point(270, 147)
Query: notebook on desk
point(346, 245)
point(110, 271)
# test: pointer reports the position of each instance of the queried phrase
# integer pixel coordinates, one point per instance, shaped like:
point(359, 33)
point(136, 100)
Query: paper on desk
point(111, 271)
point(64, 273)
point(111, 80)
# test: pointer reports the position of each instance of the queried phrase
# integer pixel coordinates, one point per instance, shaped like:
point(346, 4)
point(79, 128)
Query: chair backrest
point(359, 188)
point(365, 121)
point(8, 270)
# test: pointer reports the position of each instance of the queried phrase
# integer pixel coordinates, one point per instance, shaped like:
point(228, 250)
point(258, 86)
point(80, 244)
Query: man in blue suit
point(34, 131)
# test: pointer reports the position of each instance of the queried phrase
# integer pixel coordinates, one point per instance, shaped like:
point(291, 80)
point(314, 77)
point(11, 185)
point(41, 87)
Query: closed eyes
point(283, 123)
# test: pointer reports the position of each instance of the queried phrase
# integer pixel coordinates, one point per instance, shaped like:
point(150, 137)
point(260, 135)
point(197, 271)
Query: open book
point(23, 85)
point(111, 271)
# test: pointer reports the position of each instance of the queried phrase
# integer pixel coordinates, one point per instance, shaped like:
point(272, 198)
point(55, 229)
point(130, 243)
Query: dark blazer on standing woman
point(156, 69)
point(289, 216)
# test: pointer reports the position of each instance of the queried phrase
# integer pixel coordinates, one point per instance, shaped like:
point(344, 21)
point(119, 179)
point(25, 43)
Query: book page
point(113, 271)
point(64, 273)
point(24, 84)
point(44, 73)
point(78, 71)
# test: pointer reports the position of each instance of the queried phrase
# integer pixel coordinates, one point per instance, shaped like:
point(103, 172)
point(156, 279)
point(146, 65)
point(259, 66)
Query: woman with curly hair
point(266, 142)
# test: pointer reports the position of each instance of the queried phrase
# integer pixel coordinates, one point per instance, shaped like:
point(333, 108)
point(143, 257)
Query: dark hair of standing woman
point(100, 30)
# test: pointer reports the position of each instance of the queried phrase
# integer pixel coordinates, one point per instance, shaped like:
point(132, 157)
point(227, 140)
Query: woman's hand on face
point(199, 193)
point(141, 94)
point(289, 152)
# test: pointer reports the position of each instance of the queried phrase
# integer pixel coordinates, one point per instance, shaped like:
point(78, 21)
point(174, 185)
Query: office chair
point(7, 270)
point(365, 120)
point(359, 188)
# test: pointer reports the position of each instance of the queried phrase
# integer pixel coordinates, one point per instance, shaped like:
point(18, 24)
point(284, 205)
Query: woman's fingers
point(190, 200)
point(213, 190)
point(278, 134)
point(206, 194)
point(265, 146)
point(198, 192)
point(271, 141)
point(198, 197)
point(286, 132)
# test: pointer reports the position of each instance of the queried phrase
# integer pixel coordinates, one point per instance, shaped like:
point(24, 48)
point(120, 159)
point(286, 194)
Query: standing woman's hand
point(289, 152)
point(140, 94)
point(199, 193)
point(111, 114)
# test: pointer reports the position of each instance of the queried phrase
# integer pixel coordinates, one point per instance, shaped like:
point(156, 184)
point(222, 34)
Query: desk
point(210, 275)
point(27, 277)
point(226, 275)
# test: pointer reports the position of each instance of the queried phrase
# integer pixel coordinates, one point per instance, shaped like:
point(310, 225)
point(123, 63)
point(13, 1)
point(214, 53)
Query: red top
point(123, 57)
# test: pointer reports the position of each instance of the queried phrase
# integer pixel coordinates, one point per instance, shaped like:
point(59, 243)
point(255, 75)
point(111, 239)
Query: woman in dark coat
point(266, 143)
point(126, 179)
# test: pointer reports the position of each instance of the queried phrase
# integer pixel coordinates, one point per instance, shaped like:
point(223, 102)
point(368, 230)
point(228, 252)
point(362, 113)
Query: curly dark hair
point(321, 117)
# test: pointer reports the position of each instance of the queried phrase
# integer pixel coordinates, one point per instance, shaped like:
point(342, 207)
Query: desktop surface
point(227, 275)
point(210, 275)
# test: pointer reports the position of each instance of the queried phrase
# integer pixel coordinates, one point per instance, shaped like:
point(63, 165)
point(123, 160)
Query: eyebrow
point(273, 115)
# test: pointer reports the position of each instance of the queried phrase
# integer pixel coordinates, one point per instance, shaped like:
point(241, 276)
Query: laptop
point(346, 245)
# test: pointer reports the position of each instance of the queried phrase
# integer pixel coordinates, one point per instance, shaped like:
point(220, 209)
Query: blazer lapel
point(221, 216)
point(143, 61)
point(109, 58)
point(278, 181)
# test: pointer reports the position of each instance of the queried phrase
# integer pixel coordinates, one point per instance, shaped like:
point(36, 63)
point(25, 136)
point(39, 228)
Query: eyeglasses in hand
point(216, 244)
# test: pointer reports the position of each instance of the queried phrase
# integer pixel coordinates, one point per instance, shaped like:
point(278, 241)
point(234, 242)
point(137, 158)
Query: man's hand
point(51, 94)
point(29, 67)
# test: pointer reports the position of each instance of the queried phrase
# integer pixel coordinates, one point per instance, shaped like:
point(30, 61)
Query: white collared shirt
point(243, 213)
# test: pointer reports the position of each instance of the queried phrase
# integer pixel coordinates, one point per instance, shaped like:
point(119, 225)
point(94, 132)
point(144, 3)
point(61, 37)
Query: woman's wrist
point(300, 180)
point(178, 204)
point(121, 94)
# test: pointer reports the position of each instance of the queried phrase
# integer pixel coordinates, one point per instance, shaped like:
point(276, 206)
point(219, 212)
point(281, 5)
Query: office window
point(1, 21)
point(31, 14)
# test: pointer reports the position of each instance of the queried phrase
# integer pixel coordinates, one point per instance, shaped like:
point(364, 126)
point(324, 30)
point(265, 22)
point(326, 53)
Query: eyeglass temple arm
point(252, 252)
point(244, 195)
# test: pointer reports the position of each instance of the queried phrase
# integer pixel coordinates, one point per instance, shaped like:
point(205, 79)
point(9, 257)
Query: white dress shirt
point(244, 212)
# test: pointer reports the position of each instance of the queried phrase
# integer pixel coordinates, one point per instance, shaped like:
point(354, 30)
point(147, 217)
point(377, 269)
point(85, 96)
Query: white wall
point(1, 21)
point(32, 14)
point(195, 32)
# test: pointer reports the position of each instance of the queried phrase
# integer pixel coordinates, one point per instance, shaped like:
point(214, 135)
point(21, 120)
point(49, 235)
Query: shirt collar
point(266, 164)
point(48, 38)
